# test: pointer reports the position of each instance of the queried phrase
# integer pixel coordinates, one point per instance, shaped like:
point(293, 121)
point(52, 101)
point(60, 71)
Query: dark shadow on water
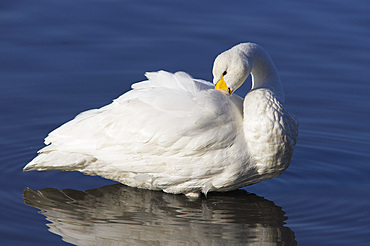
point(117, 214)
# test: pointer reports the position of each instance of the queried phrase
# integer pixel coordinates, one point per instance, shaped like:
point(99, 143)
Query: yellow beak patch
point(221, 85)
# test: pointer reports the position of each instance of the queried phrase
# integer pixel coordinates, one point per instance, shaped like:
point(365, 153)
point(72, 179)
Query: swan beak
point(221, 85)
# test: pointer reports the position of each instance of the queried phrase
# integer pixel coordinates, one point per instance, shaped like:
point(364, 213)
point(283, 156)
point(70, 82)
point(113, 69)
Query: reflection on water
point(117, 214)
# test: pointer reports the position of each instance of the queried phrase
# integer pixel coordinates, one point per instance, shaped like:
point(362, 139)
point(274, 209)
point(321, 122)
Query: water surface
point(118, 214)
point(58, 58)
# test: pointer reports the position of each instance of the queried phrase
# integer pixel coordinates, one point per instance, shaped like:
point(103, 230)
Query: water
point(117, 213)
point(58, 58)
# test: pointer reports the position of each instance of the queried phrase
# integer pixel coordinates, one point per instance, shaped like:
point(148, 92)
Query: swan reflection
point(117, 214)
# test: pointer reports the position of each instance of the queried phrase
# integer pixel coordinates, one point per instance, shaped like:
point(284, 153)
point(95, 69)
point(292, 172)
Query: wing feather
point(160, 126)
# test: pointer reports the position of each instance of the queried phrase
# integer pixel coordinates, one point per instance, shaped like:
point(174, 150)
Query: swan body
point(180, 135)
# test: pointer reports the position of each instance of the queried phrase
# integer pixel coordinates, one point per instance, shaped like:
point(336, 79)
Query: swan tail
point(56, 160)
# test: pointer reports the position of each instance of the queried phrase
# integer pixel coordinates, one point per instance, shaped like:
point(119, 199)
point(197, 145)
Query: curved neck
point(264, 73)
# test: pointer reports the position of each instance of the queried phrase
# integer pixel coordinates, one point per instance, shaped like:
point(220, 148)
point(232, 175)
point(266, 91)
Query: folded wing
point(163, 126)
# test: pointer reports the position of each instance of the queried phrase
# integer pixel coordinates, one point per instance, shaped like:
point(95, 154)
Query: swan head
point(230, 69)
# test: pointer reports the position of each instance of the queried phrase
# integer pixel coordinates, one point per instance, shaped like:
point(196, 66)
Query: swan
point(184, 135)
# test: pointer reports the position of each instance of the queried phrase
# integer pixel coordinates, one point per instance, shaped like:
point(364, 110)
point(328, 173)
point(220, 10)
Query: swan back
point(170, 132)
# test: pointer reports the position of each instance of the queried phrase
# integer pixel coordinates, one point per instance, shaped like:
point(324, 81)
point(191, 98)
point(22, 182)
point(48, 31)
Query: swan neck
point(264, 73)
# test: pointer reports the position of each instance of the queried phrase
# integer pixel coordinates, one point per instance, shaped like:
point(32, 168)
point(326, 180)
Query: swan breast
point(271, 131)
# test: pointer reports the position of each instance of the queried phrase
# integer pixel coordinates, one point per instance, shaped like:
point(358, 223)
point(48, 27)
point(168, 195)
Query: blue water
point(58, 58)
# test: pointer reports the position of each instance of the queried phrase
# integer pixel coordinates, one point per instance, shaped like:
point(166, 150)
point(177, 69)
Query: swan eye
point(224, 73)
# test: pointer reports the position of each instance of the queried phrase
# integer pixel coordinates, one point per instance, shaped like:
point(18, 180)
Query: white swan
point(180, 135)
